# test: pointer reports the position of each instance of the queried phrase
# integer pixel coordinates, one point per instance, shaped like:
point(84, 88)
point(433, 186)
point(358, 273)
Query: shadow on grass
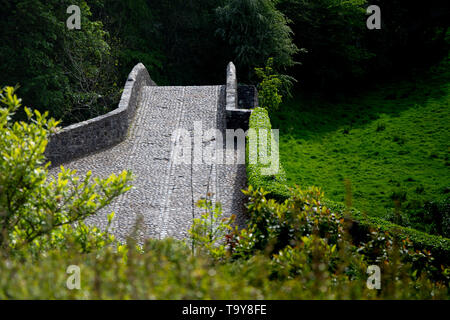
point(311, 115)
point(390, 140)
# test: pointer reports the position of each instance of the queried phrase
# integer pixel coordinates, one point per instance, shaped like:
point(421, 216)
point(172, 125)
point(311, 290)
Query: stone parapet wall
point(88, 136)
point(104, 131)
point(239, 101)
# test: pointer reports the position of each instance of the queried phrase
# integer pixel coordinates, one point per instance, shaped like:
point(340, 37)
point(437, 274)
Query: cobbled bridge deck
point(164, 193)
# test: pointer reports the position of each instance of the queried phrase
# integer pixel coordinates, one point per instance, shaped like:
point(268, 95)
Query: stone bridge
point(139, 136)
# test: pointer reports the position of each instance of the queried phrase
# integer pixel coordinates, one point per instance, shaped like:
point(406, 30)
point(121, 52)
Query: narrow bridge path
point(164, 193)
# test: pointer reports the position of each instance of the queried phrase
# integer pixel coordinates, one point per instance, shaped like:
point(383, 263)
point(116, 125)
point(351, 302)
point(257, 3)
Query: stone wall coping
point(123, 103)
point(236, 118)
point(81, 138)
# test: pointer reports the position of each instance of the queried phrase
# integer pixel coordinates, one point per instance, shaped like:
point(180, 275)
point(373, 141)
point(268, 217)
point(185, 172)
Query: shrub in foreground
point(316, 261)
point(39, 212)
point(305, 242)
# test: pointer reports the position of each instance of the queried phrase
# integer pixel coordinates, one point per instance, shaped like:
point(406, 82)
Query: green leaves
point(256, 30)
point(59, 70)
point(334, 36)
point(269, 87)
point(39, 211)
point(208, 232)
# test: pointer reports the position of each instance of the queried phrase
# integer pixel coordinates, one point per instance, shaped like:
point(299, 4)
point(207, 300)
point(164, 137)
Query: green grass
point(362, 223)
point(391, 142)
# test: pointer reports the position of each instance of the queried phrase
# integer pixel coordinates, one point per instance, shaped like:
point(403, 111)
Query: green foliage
point(433, 216)
point(364, 224)
point(404, 24)
point(306, 266)
point(268, 88)
point(342, 52)
point(274, 184)
point(167, 270)
point(309, 263)
point(302, 247)
point(185, 32)
point(132, 27)
point(333, 34)
point(76, 75)
point(38, 212)
point(184, 42)
point(255, 31)
point(276, 225)
point(308, 242)
point(70, 73)
point(208, 232)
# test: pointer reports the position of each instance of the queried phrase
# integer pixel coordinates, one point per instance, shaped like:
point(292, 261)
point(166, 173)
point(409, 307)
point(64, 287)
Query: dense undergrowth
point(295, 250)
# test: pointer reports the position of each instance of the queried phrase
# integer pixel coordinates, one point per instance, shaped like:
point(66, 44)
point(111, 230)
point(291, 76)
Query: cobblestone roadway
point(164, 193)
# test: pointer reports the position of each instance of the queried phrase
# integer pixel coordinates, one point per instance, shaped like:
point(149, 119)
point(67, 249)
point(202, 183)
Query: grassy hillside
point(391, 142)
